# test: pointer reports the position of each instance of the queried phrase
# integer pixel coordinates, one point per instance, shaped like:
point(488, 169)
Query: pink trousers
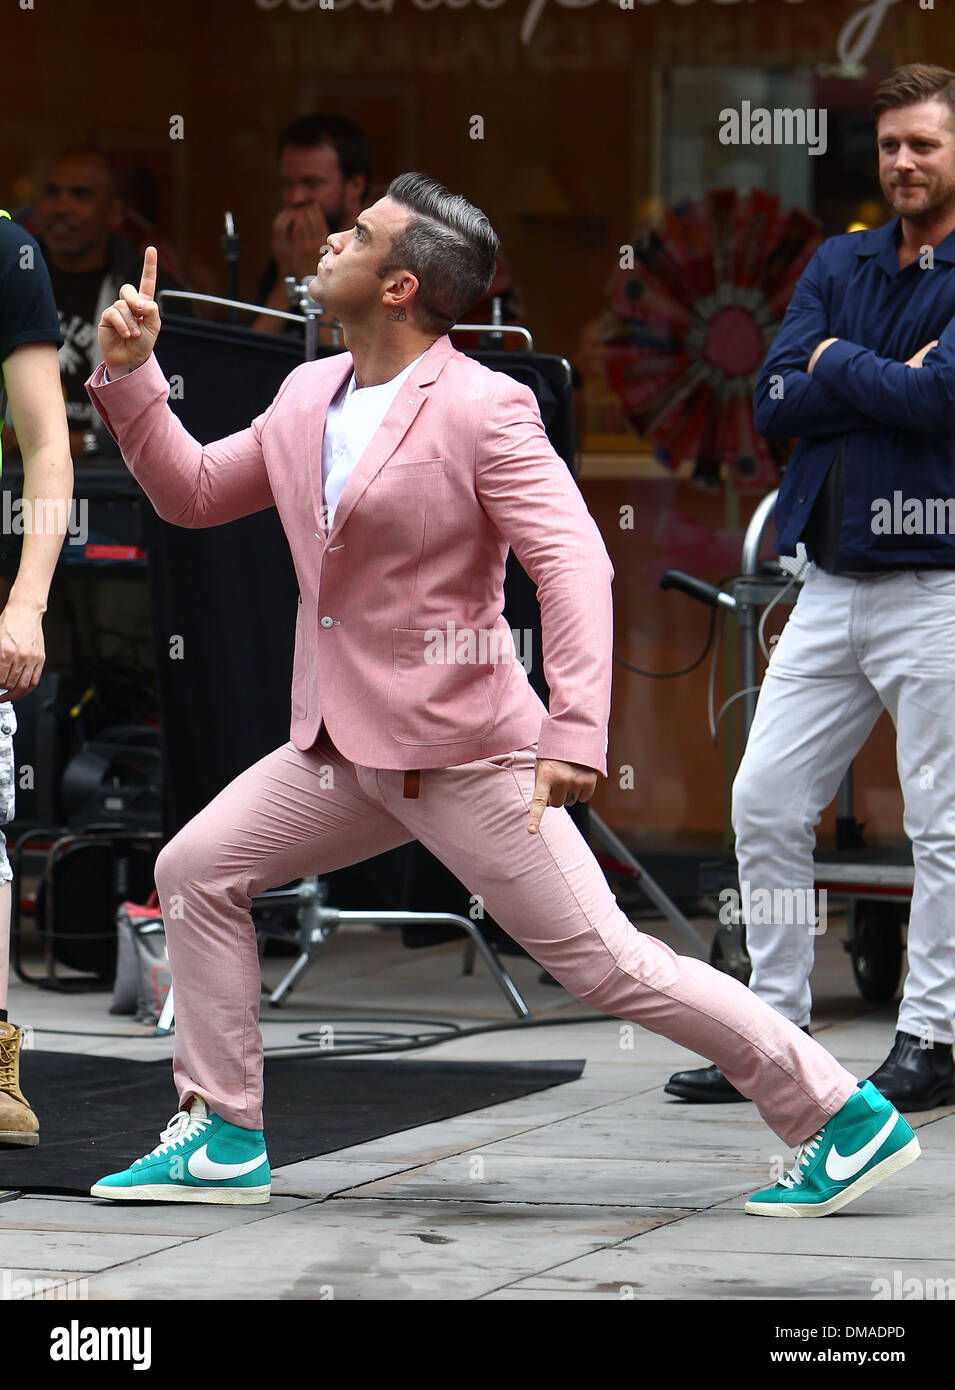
point(293, 814)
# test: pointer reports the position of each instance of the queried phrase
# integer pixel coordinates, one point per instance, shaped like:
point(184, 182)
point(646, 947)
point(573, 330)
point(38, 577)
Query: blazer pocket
point(411, 469)
point(436, 701)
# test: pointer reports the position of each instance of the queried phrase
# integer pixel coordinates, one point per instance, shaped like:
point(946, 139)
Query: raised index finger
point(147, 285)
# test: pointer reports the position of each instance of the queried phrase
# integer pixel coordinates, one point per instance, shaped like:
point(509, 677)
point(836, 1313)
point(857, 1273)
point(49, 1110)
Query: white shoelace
point(181, 1127)
point(804, 1156)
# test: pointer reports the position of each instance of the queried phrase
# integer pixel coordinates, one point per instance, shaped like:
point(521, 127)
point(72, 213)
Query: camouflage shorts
point(8, 784)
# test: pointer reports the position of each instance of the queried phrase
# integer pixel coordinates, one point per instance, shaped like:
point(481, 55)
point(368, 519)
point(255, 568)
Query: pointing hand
point(130, 326)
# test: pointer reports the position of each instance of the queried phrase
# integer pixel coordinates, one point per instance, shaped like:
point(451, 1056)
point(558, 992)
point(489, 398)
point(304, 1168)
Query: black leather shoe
point(705, 1085)
point(914, 1077)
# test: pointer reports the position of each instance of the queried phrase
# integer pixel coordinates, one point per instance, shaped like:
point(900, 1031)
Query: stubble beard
point(939, 203)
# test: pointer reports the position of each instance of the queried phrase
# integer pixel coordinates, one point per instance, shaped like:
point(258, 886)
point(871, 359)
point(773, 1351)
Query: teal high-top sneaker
point(863, 1144)
point(200, 1158)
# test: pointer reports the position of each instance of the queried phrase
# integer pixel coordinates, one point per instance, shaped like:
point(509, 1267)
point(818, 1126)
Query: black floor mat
point(98, 1114)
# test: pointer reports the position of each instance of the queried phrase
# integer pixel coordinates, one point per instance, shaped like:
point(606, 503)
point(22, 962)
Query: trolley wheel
point(729, 955)
point(875, 944)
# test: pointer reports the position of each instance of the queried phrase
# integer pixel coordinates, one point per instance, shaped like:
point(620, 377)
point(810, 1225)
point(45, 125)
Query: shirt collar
point(882, 243)
point(351, 385)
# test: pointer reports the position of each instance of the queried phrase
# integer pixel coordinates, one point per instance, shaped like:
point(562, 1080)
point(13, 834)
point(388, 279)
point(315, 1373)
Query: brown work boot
point(18, 1124)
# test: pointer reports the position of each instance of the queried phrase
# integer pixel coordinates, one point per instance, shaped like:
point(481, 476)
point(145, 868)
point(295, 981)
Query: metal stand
point(299, 297)
point(62, 839)
point(312, 311)
point(318, 924)
point(230, 249)
point(750, 594)
point(167, 1016)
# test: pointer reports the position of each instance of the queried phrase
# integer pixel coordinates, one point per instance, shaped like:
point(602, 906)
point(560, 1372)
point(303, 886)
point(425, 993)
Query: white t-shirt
point(353, 417)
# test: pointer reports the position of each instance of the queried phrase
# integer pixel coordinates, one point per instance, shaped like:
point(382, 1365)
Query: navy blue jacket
point(896, 424)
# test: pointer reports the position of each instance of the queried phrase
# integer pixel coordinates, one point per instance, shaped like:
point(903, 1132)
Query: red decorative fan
point(689, 326)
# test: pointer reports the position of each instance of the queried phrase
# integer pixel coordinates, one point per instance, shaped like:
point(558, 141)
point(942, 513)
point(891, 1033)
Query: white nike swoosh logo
point(200, 1165)
point(839, 1167)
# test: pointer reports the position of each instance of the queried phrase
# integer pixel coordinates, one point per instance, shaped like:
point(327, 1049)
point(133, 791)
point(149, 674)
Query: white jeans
point(853, 646)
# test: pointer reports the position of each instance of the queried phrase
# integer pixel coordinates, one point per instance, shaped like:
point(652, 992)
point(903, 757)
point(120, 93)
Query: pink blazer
point(401, 648)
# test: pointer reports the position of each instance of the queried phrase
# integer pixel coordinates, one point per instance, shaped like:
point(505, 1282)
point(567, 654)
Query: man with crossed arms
point(402, 471)
point(863, 370)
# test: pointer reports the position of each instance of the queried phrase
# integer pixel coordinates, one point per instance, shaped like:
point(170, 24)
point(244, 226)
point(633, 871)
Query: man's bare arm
point(31, 376)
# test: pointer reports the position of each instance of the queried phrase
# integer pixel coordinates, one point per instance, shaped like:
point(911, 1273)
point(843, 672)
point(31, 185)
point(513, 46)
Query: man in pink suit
point(402, 472)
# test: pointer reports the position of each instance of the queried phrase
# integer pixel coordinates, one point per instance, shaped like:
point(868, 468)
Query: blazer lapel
point(393, 427)
point(339, 371)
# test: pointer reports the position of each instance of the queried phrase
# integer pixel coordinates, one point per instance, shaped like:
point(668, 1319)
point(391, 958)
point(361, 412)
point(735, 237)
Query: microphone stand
point(299, 299)
point(230, 246)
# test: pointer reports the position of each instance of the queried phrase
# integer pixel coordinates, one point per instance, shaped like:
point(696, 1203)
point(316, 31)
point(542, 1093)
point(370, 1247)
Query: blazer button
point(327, 621)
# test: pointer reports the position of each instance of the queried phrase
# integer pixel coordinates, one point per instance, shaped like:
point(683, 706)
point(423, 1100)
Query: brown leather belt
point(412, 783)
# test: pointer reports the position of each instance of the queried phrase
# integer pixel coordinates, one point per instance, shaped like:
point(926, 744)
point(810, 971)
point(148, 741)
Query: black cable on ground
point(306, 1048)
point(412, 1042)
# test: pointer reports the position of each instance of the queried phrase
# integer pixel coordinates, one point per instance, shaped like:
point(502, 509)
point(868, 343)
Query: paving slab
point(435, 1140)
point(77, 1214)
point(633, 1272)
point(936, 1130)
point(891, 1222)
point(323, 1177)
point(379, 1250)
point(577, 1181)
point(599, 1134)
point(80, 1251)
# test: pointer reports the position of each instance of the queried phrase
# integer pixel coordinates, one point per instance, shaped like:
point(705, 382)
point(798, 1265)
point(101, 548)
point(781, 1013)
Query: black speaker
point(116, 777)
point(89, 881)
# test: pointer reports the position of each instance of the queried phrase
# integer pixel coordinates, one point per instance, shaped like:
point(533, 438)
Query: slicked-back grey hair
point(448, 245)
